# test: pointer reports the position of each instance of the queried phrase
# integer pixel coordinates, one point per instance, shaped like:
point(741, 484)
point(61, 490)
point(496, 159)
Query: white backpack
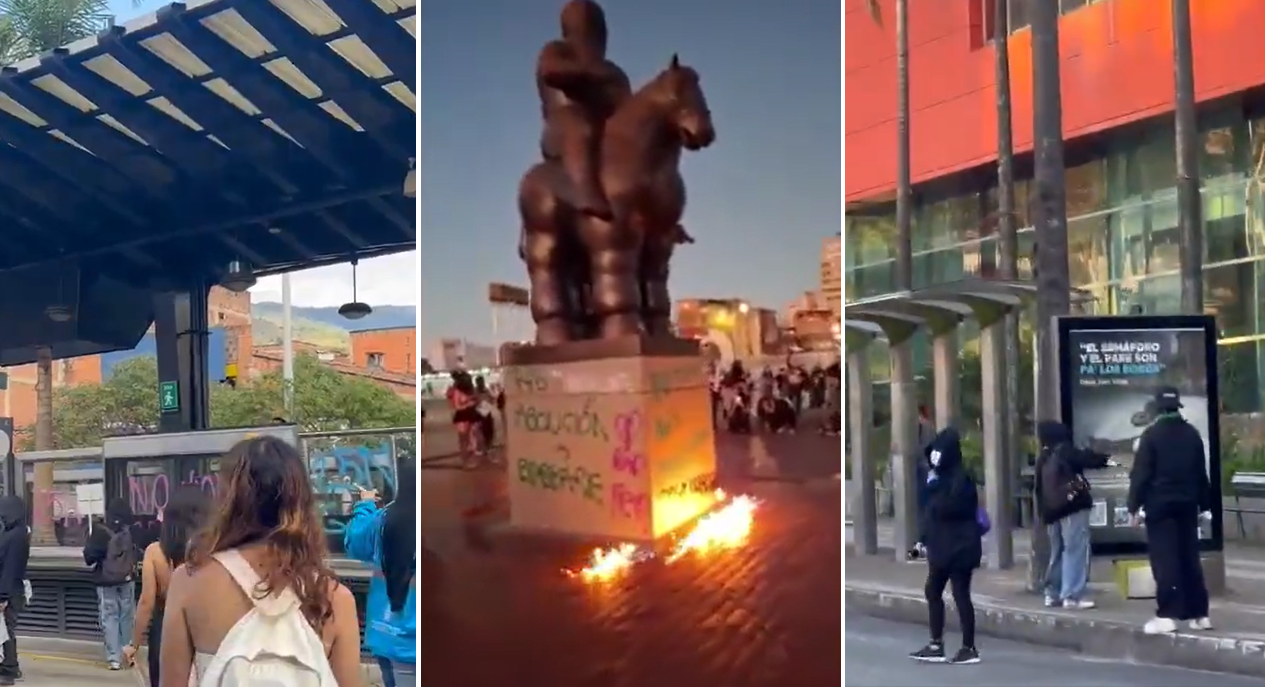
point(273, 645)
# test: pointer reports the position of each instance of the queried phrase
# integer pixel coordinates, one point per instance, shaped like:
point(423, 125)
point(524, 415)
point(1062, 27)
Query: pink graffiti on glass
point(628, 503)
point(624, 459)
point(149, 494)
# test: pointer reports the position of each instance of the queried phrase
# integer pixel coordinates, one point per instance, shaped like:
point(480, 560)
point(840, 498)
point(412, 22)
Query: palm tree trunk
point(1190, 214)
point(42, 503)
point(1053, 279)
point(1008, 237)
point(904, 187)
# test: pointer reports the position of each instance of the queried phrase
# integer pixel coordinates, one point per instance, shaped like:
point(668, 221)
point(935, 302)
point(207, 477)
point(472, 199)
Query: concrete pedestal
point(608, 440)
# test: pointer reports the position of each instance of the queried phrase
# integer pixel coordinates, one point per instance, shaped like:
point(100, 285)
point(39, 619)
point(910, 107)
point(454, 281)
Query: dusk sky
point(760, 200)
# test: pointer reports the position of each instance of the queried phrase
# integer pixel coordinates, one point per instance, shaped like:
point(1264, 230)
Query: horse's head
point(678, 92)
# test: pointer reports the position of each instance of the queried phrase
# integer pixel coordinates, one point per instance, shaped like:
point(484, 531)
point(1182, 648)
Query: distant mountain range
point(324, 327)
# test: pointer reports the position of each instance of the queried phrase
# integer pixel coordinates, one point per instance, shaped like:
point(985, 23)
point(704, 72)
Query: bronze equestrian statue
point(601, 214)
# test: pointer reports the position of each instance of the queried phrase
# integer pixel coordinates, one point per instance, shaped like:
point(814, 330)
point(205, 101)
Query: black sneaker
point(965, 656)
point(932, 653)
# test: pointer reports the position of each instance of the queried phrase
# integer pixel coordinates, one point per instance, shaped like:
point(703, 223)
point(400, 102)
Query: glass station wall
point(1122, 236)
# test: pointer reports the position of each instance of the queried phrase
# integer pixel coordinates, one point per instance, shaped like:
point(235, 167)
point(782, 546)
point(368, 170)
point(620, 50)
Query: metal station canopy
point(897, 316)
point(275, 132)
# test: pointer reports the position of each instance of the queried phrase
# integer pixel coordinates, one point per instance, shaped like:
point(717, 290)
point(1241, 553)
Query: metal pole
point(287, 348)
point(496, 339)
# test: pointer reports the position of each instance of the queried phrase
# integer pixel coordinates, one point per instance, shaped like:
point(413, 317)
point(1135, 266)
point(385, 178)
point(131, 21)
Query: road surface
point(876, 653)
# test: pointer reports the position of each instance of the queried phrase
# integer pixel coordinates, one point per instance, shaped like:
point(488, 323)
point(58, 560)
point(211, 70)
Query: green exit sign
point(168, 397)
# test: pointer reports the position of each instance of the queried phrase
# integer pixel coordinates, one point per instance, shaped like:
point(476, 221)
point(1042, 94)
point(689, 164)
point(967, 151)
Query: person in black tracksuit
point(1168, 489)
point(951, 534)
point(15, 552)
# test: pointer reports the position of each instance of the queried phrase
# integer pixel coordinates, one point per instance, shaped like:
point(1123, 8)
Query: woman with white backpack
point(256, 604)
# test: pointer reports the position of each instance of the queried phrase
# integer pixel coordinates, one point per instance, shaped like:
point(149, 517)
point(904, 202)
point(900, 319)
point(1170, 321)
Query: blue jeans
point(117, 604)
point(395, 673)
point(1068, 574)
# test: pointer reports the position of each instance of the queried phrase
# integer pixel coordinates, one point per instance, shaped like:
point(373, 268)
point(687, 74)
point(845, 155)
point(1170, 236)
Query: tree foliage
point(324, 399)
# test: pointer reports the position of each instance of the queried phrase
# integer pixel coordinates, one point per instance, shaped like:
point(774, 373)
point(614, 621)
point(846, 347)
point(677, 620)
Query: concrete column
point(999, 546)
point(944, 360)
point(864, 505)
point(905, 449)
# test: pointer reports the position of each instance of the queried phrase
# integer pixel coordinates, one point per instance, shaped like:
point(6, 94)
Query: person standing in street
point(112, 553)
point(951, 534)
point(1065, 501)
point(1169, 489)
point(15, 552)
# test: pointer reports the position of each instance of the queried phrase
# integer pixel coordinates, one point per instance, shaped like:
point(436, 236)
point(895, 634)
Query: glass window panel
point(1128, 238)
point(1087, 250)
point(1086, 188)
point(1155, 163)
point(1225, 226)
point(981, 259)
point(1159, 295)
point(1222, 153)
point(1239, 373)
point(69, 511)
point(869, 238)
point(937, 267)
point(1098, 302)
point(1229, 294)
point(1026, 257)
point(1163, 244)
point(1066, 6)
point(946, 223)
point(870, 280)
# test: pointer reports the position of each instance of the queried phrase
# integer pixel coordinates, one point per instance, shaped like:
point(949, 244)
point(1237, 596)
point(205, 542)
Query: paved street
point(876, 653)
point(503, 614)
point(60, 672)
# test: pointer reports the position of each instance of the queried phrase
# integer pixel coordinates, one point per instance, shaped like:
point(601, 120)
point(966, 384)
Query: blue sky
point(761, 199)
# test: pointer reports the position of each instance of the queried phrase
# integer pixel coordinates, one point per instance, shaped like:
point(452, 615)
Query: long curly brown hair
point(268, 499)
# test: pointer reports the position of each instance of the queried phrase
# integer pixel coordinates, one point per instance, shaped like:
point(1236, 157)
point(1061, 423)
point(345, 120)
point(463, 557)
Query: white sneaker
point(1160, 626)
point(1201, 624)
point(1052, 602)
point(1078, 604)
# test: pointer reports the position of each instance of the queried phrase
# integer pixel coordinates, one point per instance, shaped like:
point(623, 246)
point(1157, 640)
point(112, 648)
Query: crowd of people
point(773, 400)
point(1169, 492)
point(240, 589)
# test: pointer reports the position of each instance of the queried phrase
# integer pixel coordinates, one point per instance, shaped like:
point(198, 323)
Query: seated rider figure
point(579, 89)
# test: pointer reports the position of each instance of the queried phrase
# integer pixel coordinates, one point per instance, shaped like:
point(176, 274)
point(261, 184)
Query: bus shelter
point(896, 318)
point(210, 142)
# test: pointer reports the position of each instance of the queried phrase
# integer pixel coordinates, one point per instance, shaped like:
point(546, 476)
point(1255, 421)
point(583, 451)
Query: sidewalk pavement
point(883, 587)
point(51, 662)
point(502, 613)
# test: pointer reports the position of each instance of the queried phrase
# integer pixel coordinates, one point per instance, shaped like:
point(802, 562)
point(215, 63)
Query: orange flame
point(728, 527)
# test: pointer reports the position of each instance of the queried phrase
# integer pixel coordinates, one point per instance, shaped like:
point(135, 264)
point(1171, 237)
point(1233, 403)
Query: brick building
point(391, 349)
point(229, 314)
point(267, 358)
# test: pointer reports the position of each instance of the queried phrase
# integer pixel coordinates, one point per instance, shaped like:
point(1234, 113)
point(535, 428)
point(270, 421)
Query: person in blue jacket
point(387, 538)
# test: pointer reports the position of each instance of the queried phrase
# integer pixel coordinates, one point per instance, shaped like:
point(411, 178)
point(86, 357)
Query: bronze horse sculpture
point(592, 277)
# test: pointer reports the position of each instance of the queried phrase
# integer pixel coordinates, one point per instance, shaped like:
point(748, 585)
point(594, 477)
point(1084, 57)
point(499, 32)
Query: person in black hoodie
point(112, 553)
point(1065, 502)
point(15, 551)
point(1169, 488)
point(951, 533)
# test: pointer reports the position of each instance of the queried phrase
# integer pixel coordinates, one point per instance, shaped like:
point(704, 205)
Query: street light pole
point(287, 348)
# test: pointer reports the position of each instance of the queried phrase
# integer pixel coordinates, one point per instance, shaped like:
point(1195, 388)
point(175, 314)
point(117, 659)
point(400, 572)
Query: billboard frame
point(1066, 325)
